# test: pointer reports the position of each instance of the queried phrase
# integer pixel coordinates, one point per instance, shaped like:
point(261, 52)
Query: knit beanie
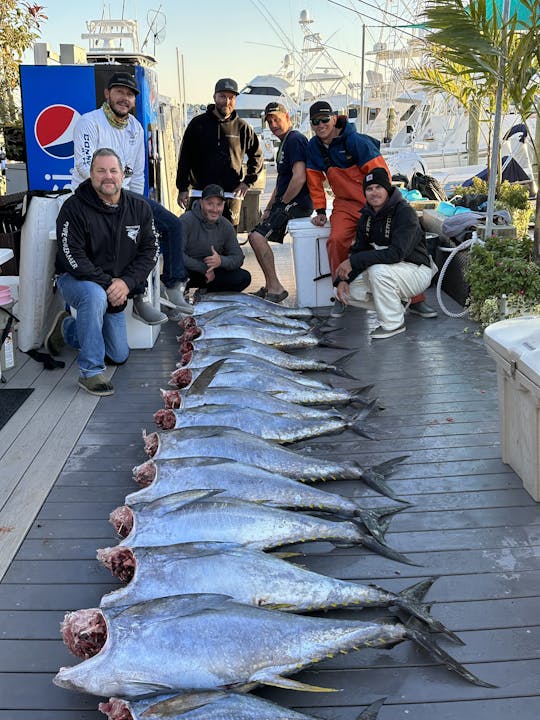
point(378, 176)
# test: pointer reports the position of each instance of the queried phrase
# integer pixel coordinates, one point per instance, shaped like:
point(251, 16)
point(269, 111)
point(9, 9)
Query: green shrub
point(502, 266)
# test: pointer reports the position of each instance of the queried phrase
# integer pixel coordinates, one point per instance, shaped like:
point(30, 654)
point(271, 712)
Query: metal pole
point(494, 161)
point(362, 109)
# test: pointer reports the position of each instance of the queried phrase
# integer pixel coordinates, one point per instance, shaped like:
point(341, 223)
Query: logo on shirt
point(54, 130)
point(133, 232)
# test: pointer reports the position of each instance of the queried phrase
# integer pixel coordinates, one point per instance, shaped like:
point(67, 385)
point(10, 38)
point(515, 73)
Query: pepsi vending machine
point(53, 99)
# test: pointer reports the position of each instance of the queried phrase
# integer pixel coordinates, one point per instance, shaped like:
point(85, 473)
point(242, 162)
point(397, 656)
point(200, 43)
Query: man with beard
point(106, 246)
point(213, 149)
point(113, 125)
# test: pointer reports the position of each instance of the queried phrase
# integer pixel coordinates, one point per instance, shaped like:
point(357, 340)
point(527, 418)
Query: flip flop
point(277, 297)
point(261, 292)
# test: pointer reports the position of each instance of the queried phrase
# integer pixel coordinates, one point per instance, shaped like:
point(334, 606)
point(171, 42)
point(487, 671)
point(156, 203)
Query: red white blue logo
point(54, 130)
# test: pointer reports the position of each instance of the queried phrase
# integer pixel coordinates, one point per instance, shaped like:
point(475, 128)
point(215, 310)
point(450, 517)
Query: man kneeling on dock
point(389, 262)
point(106, 246)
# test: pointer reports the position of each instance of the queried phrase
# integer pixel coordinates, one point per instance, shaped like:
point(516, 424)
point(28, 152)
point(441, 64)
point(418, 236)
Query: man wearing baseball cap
point(389, 260)
point(290, 198)
point(114, 126)
point(212, 255)
point(213, 150)
point(344, 157)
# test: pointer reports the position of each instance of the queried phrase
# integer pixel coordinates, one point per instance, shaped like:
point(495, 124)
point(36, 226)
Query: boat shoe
point(96, 385)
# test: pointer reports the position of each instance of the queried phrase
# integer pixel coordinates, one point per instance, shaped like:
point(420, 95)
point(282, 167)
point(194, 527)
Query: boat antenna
point(156, 27)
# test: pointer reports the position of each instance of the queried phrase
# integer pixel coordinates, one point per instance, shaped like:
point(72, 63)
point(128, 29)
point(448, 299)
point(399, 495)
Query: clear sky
point(218, 39)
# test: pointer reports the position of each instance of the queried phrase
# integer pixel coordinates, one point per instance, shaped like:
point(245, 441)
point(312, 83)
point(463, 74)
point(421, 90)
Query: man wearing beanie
point(344, 157)
point(389, 262)
point(213, 149)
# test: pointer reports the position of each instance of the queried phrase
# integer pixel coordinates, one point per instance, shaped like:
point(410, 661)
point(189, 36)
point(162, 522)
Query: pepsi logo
point(54, 130)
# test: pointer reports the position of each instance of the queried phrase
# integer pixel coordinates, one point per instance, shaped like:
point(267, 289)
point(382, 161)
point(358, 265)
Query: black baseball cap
point(274, 107)
point(320, 109)
point(124, 80)
point(213, 190)
point(226, 85)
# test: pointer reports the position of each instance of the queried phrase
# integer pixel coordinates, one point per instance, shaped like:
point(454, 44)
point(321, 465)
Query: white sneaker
point(380, 333)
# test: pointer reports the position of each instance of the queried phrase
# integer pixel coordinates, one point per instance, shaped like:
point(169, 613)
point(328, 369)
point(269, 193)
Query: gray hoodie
point(199, 236)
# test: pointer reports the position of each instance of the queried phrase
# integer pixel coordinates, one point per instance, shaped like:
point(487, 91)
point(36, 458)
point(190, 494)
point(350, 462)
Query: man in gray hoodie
point(212, 255)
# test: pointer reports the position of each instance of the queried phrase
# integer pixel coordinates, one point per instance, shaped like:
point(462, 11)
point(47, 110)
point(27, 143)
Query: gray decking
point(471, 523)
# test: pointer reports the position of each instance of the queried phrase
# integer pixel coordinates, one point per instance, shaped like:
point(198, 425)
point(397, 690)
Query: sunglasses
point(318, 121)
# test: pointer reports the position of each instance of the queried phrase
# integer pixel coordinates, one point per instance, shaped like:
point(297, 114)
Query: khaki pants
point(383, 288)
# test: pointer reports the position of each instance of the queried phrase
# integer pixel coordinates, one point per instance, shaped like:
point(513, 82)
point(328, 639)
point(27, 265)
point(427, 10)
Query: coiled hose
point(453, 252)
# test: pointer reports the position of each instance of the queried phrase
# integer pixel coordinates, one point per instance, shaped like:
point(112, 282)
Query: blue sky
point(216, 39)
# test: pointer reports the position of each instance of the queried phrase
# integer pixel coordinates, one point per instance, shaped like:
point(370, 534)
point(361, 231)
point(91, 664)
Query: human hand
point(344, 269)
point(209, 275)
point(213, 261)
point(183, 199)
point(117, 292)
point(319, 219)
point(241, 190)
point(342, 292)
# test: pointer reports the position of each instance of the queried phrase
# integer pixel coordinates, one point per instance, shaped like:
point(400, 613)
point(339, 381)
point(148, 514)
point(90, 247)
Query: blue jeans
point(172, 245)
point(94, 332)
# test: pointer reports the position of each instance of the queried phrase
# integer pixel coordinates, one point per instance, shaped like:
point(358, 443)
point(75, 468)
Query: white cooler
point(515, 345)
point(311, 269)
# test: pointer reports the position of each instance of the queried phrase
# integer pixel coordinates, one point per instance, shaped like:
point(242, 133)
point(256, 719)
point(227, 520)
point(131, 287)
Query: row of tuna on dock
point(211, 608)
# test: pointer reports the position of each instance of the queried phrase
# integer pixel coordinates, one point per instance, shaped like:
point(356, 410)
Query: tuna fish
point(213, 705)
point(250, 577)
point(266, 337)
point(243, 314)
point(216, 300)
point(247, 448)
point(243, 377)
point(279, 428)
point(224, 348)
point(195, 516)
point(247, 482)
point(207, 642)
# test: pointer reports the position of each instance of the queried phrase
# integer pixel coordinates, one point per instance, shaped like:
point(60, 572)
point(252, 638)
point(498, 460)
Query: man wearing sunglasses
point(344, 157)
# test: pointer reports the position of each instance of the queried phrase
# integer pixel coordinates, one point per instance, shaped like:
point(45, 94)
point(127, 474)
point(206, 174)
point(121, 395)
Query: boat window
point(260, 90)
point(249, 113)
point(407, 114)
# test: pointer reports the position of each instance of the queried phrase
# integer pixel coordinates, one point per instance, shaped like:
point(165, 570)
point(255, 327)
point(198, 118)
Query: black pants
point(224, 281)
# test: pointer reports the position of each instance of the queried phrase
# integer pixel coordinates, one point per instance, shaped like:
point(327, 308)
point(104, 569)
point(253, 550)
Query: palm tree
point(470, 38)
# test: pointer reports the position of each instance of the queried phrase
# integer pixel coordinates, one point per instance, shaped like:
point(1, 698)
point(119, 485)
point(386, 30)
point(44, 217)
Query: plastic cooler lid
point(517, 340)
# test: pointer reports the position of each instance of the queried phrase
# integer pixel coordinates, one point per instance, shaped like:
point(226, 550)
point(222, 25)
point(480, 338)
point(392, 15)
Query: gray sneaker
point(380, 333)
point(423, 309)
point(96, 385)
point(147, 313)
point(54, 339)
point(338, 309)
point(175, 294)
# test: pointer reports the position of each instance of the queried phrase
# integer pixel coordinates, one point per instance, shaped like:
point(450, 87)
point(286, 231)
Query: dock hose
point(452, 253)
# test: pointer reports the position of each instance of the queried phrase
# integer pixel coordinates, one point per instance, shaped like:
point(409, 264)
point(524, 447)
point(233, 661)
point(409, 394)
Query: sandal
point(261, 292)
point(277, 297)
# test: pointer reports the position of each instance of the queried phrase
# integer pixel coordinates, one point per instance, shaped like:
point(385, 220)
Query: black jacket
point(396, 232)
point(98, 242)
point(213, 151)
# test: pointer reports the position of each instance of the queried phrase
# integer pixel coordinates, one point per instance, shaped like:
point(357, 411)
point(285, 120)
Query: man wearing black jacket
point(106, 247)
point(213, 149)
point(389, 262)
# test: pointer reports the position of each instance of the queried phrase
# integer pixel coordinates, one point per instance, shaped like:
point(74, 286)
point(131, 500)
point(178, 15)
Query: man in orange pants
point(343, 156)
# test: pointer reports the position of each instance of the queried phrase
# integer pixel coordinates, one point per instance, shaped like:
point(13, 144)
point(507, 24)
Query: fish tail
point(411, 600)
point(385, 550)
point(415, 632)
point(377, 520)
point(376, 481)
point(372, 711)
point(331, 343)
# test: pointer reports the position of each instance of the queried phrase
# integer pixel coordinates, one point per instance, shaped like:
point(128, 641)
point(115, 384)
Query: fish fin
point(374, 478)
point(371, 712)
point(287, 555)
point(411, 601)
point(265, 677)
point(172, 503)
point(414, 631)
point(183, 703)
point(331, 343)
point(202, 381)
